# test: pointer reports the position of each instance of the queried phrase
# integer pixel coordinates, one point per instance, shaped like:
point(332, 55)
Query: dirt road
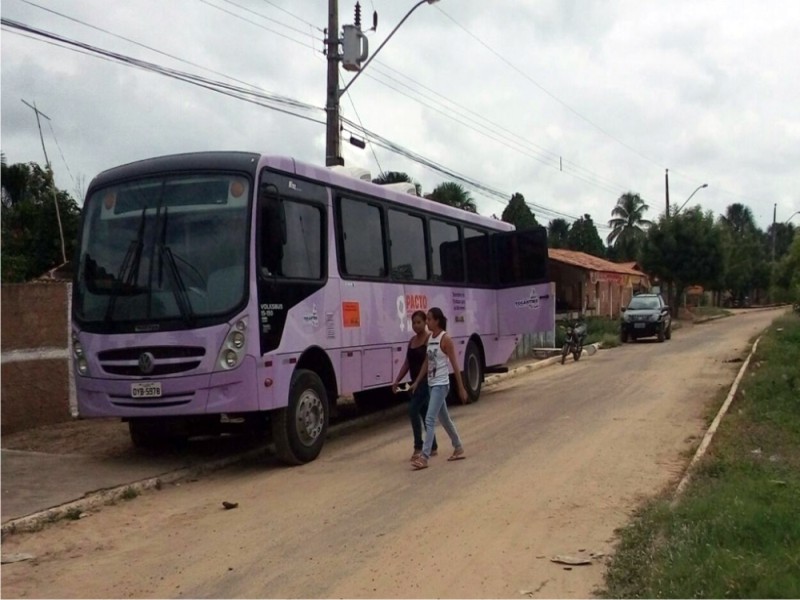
point(556, 461)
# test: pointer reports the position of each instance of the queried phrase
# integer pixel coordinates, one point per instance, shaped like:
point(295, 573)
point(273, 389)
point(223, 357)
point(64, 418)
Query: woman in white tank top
point(440, 350)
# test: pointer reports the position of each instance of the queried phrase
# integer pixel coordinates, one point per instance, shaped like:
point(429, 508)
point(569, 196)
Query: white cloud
point(618, 90)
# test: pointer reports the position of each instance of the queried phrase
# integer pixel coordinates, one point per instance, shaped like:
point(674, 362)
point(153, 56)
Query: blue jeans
point(417, 409)
point(437, 407)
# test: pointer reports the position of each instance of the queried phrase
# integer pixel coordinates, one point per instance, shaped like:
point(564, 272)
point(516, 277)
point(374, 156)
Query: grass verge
point(598, 329)
point(735, 532)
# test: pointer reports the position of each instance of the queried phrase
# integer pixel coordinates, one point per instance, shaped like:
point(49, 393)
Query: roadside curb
point(493, 380)
point(749, 310)
point(107, 496)
point(704, 444)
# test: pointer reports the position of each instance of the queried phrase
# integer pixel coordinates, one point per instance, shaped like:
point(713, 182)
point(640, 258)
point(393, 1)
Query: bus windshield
point(163, 249)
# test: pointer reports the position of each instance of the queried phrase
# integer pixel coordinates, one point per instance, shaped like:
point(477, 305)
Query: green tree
point(738, 218)
point(31, 244)
point(397, 177)
point(583, 237)
point(786, 274)
point(557, 233)
point(685, 249)
point(746, 262)
point(519, 214)
point(628, 226)
point(784, 234)
point(453, 194)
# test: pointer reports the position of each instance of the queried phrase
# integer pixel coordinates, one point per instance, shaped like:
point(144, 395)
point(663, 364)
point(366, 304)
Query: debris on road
point(570, 560)
point(229, 505)
point(16, 557)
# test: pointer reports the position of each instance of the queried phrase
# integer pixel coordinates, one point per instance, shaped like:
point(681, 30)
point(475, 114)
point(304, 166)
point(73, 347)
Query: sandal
point(458, 454)
point(420, 463)
point(416, 455)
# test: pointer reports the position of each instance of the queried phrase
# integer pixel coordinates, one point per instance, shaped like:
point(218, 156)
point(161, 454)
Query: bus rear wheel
point(473, 371)
point(299, 429)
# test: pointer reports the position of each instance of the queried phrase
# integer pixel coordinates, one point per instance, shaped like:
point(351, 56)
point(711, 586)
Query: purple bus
point(222, 289)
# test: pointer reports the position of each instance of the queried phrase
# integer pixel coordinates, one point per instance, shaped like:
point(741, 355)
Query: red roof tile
point(592, 263)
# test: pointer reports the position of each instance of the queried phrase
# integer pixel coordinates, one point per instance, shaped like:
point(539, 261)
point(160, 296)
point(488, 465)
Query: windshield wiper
point(178, 288)
point(129, 270)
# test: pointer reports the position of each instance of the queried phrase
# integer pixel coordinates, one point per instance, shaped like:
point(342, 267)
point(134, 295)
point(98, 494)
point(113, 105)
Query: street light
point(700, 187)
point(333, 141)
point(797, 212)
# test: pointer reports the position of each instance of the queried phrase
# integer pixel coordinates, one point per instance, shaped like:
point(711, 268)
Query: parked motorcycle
point(573, 343)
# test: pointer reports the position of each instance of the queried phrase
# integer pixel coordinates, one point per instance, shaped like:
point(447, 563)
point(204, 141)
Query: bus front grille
point(151, 360)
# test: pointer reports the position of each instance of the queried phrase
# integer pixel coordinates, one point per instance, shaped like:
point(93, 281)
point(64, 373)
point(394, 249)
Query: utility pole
point(774, 228)
point(333, 133)
point(666, 184)
point(52, 179)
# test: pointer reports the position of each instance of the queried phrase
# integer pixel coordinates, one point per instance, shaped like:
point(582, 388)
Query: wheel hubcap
point(310, 417)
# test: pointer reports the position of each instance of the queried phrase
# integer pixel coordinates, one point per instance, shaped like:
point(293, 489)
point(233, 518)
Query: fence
point(36, 375)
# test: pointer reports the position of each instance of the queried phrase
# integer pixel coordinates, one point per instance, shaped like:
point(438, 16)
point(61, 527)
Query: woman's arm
point(449, 348)
point(400, 375)
point(423, 372)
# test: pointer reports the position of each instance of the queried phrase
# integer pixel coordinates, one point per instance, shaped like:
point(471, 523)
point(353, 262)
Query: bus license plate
point(146, 390)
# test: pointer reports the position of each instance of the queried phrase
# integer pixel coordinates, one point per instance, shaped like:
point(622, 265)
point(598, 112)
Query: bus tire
point(473, 371)
point(299, 430)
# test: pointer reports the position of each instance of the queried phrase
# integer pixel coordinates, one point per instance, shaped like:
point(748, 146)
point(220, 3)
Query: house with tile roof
point(593, 285)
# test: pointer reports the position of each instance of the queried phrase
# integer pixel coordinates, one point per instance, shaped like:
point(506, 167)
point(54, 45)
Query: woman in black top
point(415, 356)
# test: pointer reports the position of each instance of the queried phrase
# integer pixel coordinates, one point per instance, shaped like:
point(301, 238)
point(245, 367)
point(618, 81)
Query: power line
point(60, 151)
point(262, 98)
point(372, 149)
point(545, 90)
point(267, 100)
point(233, 14)
point(280, 8)
point(141, 45)
point(492, 135)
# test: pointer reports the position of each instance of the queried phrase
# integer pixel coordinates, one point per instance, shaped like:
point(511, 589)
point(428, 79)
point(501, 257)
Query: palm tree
point(628, 225)
point(557, 233)
point(453, 194)
point(739, 219)
point(397, 177)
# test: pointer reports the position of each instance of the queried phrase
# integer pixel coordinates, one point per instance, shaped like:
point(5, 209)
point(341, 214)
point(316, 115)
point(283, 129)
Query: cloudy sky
point(569, 102)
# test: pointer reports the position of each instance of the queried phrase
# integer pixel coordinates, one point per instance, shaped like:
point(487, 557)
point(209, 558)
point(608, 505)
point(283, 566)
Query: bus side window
point(273, 234)
point(408, 247)
point(363, 248)
point(479, 271)
point(448, 256)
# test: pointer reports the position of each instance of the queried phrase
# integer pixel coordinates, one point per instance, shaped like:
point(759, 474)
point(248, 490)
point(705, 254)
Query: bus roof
point(252, 162)
point(342, 181)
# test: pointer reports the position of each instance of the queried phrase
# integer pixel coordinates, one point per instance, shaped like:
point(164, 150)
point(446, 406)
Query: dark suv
point(646, 315)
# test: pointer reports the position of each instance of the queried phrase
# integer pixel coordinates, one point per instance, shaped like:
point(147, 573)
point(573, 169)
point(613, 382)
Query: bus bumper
point(221, 392)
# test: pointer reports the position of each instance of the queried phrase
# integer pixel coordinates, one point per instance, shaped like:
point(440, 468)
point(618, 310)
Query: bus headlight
point(233, 349)
point(77, 349)
point(79, 355)
point(237, 340)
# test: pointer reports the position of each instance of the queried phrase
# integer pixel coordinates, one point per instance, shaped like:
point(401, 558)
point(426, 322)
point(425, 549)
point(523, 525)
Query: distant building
point(592, 285)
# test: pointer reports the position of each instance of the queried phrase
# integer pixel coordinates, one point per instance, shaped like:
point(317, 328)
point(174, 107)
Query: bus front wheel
point(299, 429)
point(473, 371)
